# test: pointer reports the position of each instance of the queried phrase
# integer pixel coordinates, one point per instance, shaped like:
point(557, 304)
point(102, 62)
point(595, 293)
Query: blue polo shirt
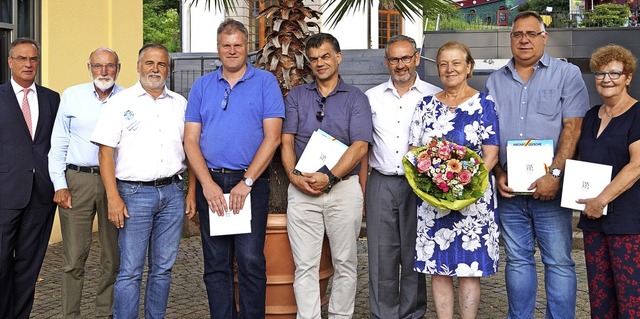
point(535, 109)
point(230, 138)
point(347, 115)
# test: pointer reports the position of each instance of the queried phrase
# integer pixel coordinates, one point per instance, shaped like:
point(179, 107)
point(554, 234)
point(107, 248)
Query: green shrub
point(607, 15)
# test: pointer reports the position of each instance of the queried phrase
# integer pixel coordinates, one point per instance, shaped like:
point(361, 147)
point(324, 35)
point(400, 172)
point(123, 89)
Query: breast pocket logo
point(132, 123)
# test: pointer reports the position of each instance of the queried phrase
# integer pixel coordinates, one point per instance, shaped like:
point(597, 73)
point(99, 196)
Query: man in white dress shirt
point(390, 201)
point(80, 195)
point(141, 155)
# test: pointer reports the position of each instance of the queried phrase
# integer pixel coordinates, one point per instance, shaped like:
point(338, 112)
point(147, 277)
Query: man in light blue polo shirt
point(80, 194)
point(233, 122)
point(537, 97)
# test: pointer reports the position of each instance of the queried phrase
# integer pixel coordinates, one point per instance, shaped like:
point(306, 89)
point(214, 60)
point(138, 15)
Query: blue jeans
point(248, 249)
point(523, 221)
point(154, 227)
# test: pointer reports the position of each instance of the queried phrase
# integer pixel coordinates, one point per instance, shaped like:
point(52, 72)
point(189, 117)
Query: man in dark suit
point(26, 192)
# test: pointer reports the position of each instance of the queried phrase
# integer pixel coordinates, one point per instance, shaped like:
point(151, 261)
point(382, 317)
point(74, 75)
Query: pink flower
point(449, 175)
point(460, 151)
point(424, 166)
point(444, 152)
point(465, 177)
point(454, 165)
point(438, 178)
point(443, 187)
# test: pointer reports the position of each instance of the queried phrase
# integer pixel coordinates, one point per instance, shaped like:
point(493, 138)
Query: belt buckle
point(94, 170)
point(162, 182)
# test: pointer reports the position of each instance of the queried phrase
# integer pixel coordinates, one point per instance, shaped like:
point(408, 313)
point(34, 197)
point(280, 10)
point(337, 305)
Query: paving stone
point(188, 298)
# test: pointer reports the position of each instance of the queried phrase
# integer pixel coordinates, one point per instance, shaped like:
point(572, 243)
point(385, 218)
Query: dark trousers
point(24, 237)
point(248, 249)
point(395, 290)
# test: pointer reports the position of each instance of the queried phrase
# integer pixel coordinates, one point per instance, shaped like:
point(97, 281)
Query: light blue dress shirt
point(535, 109)
point(70, 141)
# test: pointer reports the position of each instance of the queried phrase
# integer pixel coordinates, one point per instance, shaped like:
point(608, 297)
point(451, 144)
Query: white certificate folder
point(322, 149)
point(527, 160)
point(583, 180)
point(230, 223)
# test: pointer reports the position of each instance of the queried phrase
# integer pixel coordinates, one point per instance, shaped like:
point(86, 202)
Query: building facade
point(361, 29)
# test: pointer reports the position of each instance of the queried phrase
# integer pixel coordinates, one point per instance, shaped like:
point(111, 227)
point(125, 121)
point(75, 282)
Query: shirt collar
point(249, 73)
point(341, 87)
point(139, 91)
point(417, 84)
point(116, 89)
point(17, 88)
point(543, 62)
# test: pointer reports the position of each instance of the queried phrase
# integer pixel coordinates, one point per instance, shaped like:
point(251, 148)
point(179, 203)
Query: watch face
point(556, 172)
point(248, 181)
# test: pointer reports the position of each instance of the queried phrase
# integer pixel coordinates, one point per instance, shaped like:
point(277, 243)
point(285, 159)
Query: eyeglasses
point(225, 100)
point(320, 114)
point(405, 59)
point(98, 66)
point(614, 75)
point(23, 59)
point(529, 34)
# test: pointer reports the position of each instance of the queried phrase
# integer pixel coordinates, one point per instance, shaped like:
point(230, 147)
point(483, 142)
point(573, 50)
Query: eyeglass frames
point(614, 75)
point(529, 34)
point(405, 59)
point(225, 100)
point(320, 114)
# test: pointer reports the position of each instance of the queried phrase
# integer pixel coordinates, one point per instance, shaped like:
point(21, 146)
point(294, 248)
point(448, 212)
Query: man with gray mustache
point(80, 194)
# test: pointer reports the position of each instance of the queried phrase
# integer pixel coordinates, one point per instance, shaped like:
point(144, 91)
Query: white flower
point(465, 270)
point(470, 242)
point(486, 131)
point(471, 132)
point(468, 226)
point(471, 107)
point(442, 125)
point(424, 248)
point(445, 271)
point(444, 237)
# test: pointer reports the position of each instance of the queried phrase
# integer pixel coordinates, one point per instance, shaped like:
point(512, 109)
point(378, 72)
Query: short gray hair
point(400, 38)
point(231, 26)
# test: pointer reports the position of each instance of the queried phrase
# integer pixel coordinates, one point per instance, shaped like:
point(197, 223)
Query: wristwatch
point(332, 178)
point(248, 181)
point(555, 172)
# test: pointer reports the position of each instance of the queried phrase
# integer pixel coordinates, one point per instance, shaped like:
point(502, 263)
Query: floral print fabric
point(457, 243)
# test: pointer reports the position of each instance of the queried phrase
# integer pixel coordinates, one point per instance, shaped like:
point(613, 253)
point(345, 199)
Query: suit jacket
point(23, 161)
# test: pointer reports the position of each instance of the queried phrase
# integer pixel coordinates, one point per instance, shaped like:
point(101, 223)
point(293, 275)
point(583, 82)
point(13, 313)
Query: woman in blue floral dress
point(458, 243)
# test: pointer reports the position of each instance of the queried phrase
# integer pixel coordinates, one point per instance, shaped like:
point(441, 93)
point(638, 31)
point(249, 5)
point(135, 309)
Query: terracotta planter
point(281, 302)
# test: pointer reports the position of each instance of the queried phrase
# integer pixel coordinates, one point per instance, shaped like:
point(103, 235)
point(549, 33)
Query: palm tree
point(283, 52)
point(288, 29)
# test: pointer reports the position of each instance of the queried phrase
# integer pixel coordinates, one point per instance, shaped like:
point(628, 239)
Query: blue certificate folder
point(527, 160)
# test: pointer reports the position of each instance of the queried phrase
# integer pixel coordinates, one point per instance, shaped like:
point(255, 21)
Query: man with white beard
point(80, 194)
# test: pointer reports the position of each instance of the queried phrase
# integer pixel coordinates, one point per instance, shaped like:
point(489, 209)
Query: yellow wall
point(72, 29)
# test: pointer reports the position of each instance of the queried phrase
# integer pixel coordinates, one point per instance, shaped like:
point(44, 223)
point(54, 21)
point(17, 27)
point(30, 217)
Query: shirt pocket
point(549, 102)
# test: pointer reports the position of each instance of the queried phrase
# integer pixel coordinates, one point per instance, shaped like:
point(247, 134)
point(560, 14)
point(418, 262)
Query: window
point(389, 25)
point(258, 27)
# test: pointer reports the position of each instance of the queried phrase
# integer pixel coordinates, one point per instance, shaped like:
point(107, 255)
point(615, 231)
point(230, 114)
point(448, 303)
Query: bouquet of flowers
point(445, 174)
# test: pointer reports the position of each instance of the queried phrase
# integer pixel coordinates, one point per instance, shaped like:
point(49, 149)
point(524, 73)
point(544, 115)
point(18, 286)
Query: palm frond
point(408, 9)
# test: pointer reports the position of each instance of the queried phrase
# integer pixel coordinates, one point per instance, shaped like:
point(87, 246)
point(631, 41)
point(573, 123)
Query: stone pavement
point(188, 297)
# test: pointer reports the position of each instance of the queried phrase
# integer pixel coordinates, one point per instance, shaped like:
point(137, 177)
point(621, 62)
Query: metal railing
point(186, 68)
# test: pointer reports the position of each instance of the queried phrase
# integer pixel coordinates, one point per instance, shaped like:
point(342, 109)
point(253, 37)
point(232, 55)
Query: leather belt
point(84, 169)
point(161, 182)
point(227, 171)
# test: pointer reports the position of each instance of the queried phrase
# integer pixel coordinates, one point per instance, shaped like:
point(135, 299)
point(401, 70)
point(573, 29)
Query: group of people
point(122, 154)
